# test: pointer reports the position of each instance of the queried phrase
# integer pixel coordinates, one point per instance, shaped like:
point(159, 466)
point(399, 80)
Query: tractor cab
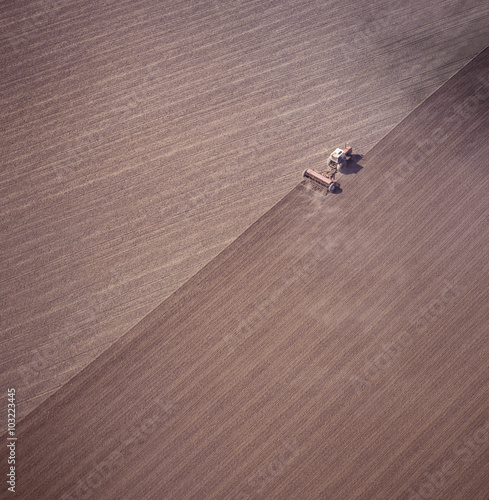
point(339, 157)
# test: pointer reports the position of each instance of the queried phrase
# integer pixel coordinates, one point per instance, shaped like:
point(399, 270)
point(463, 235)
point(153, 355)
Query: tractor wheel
point(332, 187)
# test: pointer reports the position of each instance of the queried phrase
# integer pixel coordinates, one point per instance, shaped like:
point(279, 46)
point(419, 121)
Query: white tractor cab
point(339, 157)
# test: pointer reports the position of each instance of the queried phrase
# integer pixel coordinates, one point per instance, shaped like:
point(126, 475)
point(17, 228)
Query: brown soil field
point(337, 349)
point(139, 139)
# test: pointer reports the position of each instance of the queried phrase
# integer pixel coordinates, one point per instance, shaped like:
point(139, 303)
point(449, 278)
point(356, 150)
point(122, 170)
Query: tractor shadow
point(352, 167)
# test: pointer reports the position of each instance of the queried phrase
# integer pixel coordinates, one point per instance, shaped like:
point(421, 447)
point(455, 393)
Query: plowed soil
point(139, 139)
point(338, 349)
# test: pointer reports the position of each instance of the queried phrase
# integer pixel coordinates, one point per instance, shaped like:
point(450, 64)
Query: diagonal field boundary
point(337, 349)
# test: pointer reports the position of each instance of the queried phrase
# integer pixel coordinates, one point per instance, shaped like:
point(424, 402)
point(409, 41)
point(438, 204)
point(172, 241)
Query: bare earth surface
point(338, 349)
point(140, 138)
